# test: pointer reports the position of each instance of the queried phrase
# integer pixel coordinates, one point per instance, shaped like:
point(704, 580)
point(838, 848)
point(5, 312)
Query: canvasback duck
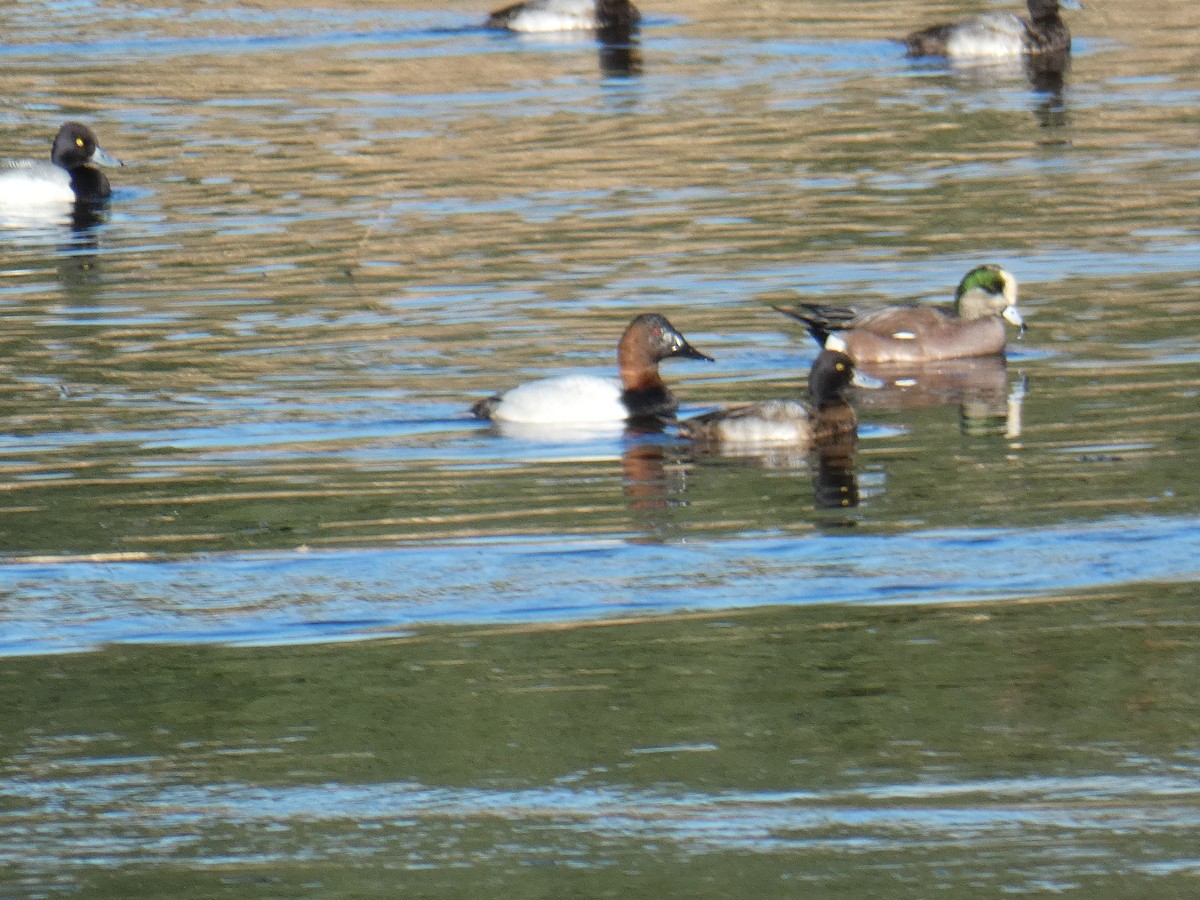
point(588, 399)
point(997, 35)
point(973, 326)
point(828, 414)
point(619, 16)
point(69, 176)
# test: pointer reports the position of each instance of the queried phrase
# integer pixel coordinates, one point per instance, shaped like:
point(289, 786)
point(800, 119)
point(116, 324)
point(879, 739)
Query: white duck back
point(29, 183)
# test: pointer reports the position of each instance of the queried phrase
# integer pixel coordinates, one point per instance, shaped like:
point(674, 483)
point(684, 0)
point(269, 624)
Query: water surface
point(280, 619)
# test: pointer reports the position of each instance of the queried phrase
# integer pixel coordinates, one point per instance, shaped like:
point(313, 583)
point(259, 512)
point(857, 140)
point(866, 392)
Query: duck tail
point(820, 320)
point(928, 41)
point(502, 18)
point(483, 409)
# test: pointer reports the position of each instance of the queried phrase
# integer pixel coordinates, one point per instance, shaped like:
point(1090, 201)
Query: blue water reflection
point(67, 605)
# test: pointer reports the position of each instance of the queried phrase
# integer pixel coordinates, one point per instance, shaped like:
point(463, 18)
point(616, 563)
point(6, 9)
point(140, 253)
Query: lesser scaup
point(587, 399)
point(69, 176)
point(566, 15)
point(997, 35)
point(792, 423)
point(916, 334)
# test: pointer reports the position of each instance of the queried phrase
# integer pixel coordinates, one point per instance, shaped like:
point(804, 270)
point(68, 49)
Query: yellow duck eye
point(78, 142)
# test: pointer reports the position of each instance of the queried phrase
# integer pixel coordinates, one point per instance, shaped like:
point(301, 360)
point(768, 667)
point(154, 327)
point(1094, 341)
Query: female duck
point(69, 177)
point(586, 399)
point(997, 35)
point(920, 334)
point(617, 16)
point(826, 417)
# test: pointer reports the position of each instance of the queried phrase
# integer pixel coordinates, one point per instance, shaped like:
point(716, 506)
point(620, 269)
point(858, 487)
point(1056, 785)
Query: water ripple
point(67, 604)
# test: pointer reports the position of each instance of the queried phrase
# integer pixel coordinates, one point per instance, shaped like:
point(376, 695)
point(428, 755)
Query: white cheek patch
point(904, 336)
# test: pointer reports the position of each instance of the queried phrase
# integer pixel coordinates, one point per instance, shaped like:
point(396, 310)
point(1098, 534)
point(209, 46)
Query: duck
point(973, 326)
point(540, 16)
point(997, 35)
point(826, 417)
point(69, 176)
point(582, 399)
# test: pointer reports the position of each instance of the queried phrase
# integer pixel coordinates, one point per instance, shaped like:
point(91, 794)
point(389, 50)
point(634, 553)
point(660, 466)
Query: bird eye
point(78, 142)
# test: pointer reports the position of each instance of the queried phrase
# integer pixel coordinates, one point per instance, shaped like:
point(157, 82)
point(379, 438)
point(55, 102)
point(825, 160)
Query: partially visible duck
point(617, 16)
point(792, 423)
point(917, 334)
point(586, 399)
point(997, 35)
point(69, 177)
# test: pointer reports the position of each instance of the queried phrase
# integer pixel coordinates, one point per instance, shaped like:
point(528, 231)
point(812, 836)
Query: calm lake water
point(279, 619)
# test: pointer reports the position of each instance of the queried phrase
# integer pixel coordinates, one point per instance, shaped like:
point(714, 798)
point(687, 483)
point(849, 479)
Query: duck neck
point(975, 304)
point(1044, 13)
point(637, 367)
point(644, 393)
point(837, 401)
point(616, 19)
point(650, 402)
point(89, 183)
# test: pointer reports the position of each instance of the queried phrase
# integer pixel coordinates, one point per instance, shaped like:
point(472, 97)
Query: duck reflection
point(980, 387)
point(71, 243)
point(620, 54)
point(835, 481)
point(27, 226)
point(1045, 74)
point(654, 479)
point(831, 461)
point(86, 216)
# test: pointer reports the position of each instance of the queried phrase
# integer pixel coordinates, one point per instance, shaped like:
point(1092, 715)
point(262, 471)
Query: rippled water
point(280, 619)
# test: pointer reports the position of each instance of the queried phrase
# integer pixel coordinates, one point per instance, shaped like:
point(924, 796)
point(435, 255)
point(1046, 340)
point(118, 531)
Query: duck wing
point(822, 320)
point(900, 321)
point(768, 422)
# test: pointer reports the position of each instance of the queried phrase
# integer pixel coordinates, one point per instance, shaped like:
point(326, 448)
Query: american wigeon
point(587, 399)
point(973, 326)
point(827, 415)
point(997, 35)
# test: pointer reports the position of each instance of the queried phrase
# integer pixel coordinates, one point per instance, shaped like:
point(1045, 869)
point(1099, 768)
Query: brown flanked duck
point(997, 35)
point(974, 326)
point(571, 400)
point(772, 423)
point(541, 16)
